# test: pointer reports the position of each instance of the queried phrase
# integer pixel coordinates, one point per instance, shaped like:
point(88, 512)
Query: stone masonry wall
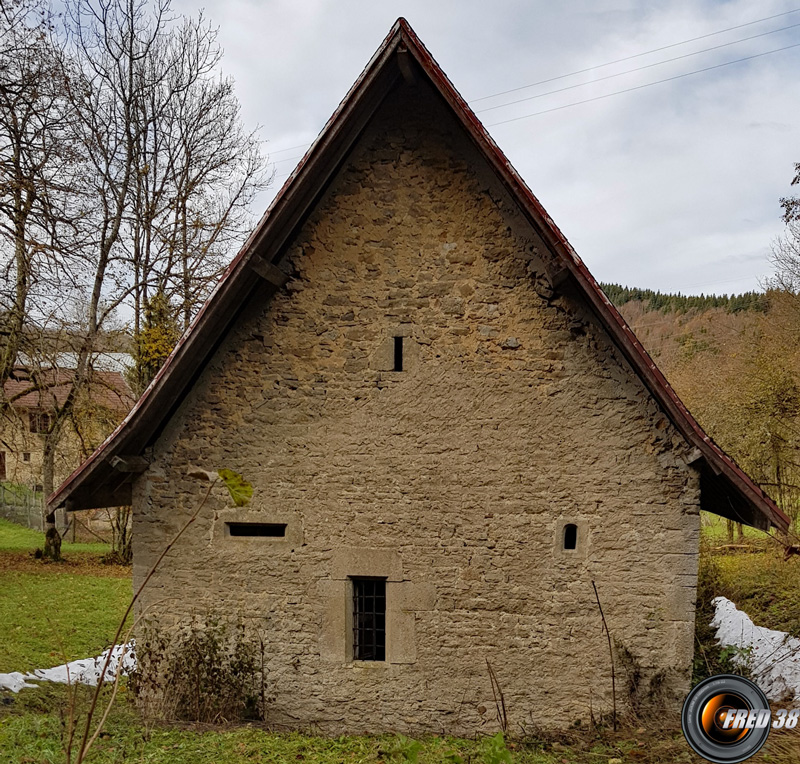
point(453, 478)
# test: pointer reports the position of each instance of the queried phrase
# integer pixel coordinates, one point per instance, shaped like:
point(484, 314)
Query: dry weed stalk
point(88, 737)
point(611, 655)
point(499, 699)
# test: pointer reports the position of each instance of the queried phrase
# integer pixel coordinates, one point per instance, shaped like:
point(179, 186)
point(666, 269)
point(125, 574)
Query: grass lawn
point(46, 615)
point(30, 732)
point(17, 538)
point(715, 531)
point(759, 581)
point(764, 586)
point(49, 609)
point(81, 601)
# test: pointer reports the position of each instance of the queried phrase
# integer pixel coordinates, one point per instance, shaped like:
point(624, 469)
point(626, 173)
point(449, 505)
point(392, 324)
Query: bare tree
point(785, 257)
point(199, 172)
point(126, 103)
point(37, 164)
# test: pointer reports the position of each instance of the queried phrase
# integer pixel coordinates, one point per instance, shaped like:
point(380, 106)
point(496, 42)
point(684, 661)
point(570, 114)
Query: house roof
point(401, 56)
point(107, 389)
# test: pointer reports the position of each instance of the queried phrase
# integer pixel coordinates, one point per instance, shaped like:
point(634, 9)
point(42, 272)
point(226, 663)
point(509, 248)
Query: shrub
point(208, 669)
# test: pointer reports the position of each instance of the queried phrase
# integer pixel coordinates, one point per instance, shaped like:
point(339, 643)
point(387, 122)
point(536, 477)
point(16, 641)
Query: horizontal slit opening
point(268, 530)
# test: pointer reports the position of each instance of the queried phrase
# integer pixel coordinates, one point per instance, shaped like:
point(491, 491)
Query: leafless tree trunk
point(36, 165)
point(52, 538)
point(126, 176)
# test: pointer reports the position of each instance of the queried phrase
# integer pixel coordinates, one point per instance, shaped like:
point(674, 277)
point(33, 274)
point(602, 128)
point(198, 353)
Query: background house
point(28, 419)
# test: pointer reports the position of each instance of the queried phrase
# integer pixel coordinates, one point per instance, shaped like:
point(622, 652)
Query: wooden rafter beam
point(269, 272)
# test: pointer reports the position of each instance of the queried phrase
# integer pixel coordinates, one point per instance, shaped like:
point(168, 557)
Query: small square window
point(26, 456)
point(369, 619)
point(39, 421)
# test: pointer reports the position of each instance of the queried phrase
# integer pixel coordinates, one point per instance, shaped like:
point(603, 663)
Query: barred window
point(369, 619)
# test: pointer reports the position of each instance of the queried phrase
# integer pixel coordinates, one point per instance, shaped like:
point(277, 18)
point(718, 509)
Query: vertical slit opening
point(398, 354)
point(570, 536)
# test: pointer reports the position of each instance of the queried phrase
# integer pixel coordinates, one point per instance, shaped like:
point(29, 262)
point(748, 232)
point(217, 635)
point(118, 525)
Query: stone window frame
point(384, 358)
point(583, 539)
point(293, 537)
point(403, 599)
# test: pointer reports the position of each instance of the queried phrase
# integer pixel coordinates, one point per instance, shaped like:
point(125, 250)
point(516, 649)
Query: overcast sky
point(674, 187)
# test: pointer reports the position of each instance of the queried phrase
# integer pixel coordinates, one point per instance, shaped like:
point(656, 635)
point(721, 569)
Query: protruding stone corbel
point(694, 457)
point(556, 275)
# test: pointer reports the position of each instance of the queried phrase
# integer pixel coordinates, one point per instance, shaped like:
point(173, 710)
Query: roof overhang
point(259, 268)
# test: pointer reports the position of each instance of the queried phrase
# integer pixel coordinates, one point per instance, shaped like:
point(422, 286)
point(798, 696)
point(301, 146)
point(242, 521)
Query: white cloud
point(674, 186)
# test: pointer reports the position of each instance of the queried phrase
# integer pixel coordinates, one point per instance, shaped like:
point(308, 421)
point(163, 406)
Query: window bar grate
point(369, 619)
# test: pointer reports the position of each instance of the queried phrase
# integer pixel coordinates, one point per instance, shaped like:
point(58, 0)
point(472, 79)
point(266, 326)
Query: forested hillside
point(735, 362)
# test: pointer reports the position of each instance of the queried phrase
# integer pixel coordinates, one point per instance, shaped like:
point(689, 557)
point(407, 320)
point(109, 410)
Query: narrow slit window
point(265, 530)
point(570, 536)
point(369, 619)
point(398, 354)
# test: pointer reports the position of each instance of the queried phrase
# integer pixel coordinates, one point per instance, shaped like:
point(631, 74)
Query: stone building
point(450, 432)
point(30, 415)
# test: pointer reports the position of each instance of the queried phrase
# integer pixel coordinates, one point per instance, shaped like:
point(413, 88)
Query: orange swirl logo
point(726, 719)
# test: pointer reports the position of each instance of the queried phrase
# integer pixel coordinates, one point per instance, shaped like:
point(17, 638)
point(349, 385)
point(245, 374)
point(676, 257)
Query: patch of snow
point(85, 671)
point(773, 657)
point(14, 681)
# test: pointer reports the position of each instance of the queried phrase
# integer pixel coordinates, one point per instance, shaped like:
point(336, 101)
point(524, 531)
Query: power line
point(291, 148)
point(646, 85)
point(288, 159)
point(616, 92)
point(636, 55)
point(637, 69)
point(600, 66)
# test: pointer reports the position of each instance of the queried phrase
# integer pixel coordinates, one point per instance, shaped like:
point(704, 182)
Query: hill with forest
point(674, 327)
point(735, 361)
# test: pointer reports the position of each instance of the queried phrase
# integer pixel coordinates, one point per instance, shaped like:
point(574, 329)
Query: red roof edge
point(718, 460)
point(640, 359)
point(61, 494)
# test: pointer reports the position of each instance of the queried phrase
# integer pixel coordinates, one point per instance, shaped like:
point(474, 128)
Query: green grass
point(43, 613)
point(715, 531)
point(760, 582)
point(765, 586)
point(30, 732)
point(17, 538)
point(51, 610)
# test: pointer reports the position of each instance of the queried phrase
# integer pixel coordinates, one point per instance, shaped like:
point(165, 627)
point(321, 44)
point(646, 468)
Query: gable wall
point(452, 478)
